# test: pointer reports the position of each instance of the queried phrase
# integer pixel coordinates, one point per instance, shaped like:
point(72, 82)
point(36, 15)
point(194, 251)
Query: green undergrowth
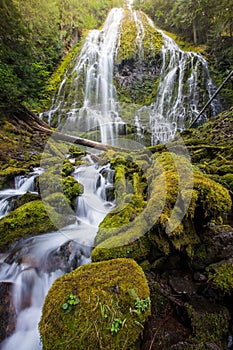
point(173, 200)
point(209, 321)
point(112, 303)
point(211, 148)
point(220, 276)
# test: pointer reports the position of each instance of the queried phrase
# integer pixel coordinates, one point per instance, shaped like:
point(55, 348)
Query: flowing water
point(22, 185)
point(185, 85)
point(32, 264)
point(95, 63)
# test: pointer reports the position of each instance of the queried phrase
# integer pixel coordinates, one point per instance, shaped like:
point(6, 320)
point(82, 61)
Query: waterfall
point(33, 264)
point(95, 62)
point(86, 103)
point(184, 87)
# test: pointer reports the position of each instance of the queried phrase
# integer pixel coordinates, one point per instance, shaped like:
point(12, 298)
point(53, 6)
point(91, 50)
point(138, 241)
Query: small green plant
point(71, 301)
point(141, 305)
point(116, 324)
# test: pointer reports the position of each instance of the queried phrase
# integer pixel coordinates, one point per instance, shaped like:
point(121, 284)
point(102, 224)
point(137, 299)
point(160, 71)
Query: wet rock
point(110, 193)
point(67, 257)
point(182, 285)
point(199, 277)
point(7, 311)
point(217, 245)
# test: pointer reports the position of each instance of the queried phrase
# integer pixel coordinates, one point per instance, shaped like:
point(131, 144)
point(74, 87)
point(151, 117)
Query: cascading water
point(23, 184)
point(95, 63)
point(184, 83)
point(32, 265)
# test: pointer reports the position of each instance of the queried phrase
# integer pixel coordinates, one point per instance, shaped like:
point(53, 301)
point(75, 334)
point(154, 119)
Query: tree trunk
point(194, 32)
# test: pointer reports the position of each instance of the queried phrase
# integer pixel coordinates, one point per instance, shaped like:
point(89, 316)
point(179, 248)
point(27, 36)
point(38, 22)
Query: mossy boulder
point(8, 174)
point(211, 147)
point(220, 276)
point(209, 321)
point(29, 219)
point(181, 201)
point(52, 182)
point(216, 246)
point(111, 305)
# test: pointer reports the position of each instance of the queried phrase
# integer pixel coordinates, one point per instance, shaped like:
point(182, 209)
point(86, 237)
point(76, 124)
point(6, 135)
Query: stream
point(33, 264)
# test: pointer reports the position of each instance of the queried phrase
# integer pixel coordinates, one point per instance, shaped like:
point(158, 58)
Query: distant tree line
point(196, 20)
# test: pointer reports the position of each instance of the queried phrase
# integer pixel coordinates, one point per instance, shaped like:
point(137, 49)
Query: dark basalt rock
point(7, 311)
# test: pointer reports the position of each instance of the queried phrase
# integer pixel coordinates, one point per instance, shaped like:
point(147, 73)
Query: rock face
point(7, 311)
point(97, 306)
point(138, 61)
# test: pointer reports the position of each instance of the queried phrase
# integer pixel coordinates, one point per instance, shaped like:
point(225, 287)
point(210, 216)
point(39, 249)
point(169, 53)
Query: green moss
point(107, 292)
point(25, 198)
point(220, 276)
point(138, 62)
point(8, 175)
point(71, 188)
point(178, 198)
point(129, 47)
point(59, 203)
point(56, 78)
point(209, 321)
point(211, 147)
point(50, 182)
point(30, 219)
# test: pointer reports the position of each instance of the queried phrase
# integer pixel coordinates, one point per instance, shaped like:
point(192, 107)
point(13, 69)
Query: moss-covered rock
point(221, 276)
point(8, 174)
point(112, 303)
point(209, 321)
point(51, 183)
point(30, 219)
point(138, 61)
point(211, 148)
point(181, 200)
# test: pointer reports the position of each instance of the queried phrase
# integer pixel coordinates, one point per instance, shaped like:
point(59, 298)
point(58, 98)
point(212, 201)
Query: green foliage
point(209, 321)
point(116, 325)
point(142, 305)
point(131, 231)
point(70, 303)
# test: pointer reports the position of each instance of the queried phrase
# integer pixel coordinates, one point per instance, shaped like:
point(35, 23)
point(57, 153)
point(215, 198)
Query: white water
point(184, 88)
point(34, 263)
point(95, 63)
point(23, 184)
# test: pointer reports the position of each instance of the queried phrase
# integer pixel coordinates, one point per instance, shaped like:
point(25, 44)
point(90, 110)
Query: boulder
point(97, 306)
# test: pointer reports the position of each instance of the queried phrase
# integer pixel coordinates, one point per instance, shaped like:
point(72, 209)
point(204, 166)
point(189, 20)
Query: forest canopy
point(34, 35)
